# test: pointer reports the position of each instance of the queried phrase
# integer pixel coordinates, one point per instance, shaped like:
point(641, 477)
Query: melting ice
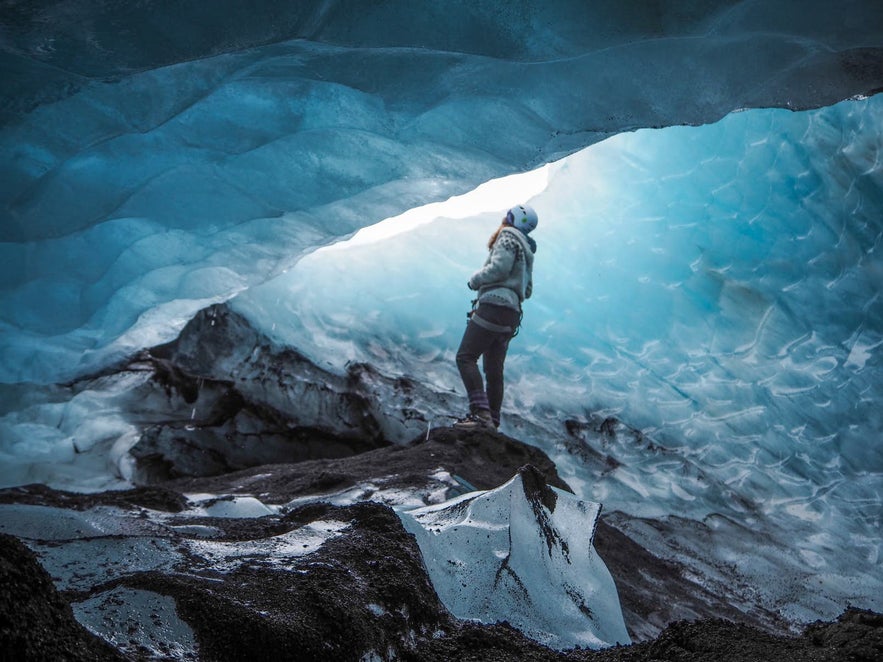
point(508, 554)
point(716, 287)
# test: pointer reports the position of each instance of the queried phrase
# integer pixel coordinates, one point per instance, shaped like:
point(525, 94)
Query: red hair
point(496, 235)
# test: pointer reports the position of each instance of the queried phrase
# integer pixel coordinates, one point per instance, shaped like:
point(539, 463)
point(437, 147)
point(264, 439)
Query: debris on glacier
point(159, 572)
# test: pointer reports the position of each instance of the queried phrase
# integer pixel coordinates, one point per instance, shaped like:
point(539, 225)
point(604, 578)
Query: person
point(503, 283)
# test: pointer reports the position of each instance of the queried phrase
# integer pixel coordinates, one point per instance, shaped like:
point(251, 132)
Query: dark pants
point(491, 345)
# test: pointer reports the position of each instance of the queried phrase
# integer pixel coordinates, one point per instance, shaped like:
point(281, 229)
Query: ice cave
point(293, 196)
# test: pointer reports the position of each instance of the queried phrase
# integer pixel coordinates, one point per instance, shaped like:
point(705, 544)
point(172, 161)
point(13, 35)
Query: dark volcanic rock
point(484, 460)
point(859, 636)
point(364, 590)
point(155, 498)
point(35, 622)
point(326, 582)
point(177, 450)
point(233, 399)
point(642, 578)
point(480, 459)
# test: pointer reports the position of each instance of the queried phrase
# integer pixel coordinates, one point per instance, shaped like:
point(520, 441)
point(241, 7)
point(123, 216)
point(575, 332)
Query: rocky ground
point(267, 531)
point(358, 589)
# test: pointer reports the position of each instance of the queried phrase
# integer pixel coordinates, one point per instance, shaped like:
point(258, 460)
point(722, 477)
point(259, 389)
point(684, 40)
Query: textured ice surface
point(505, 555)
point(73, 437)
point(139, 623)
point(149, 167)
point(716, 287)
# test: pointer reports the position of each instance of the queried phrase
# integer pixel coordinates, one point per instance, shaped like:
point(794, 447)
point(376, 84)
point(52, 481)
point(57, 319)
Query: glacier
point(539, 572)
point(715, 287)
point(702, 354)
point(355, 120)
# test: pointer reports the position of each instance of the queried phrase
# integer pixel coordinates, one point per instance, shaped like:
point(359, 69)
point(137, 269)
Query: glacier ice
point(715, 287)
point(203, 166)
point(522, 553)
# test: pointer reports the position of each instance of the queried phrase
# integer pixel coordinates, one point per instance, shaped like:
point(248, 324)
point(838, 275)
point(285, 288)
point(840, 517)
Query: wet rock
point(235, 400)
point(364, 590)
point(480, 460)
point(315, 580)
point(155, 498)
point(36, 623)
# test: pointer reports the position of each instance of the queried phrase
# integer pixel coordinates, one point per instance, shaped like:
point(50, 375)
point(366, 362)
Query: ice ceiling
point(714, 284)
point(156, 157)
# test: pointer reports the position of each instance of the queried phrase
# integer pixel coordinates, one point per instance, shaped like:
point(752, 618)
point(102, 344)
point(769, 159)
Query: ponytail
point(495, 235)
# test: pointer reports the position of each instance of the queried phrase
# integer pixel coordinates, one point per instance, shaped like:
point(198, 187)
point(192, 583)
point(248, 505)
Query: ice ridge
point(522, 553)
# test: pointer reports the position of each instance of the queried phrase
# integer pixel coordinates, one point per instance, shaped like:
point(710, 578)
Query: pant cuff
point(478, 401)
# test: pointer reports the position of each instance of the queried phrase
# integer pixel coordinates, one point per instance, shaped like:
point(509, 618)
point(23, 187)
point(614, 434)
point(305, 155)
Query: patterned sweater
point(506, 279)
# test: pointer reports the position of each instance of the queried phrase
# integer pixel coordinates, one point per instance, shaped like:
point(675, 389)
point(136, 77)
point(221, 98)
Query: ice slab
point(522, 553)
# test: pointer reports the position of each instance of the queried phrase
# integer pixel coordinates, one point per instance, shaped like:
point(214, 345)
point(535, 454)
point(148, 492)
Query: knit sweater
point(506, 279)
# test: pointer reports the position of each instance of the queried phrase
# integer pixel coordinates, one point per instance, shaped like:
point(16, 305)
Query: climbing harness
point(490, 326)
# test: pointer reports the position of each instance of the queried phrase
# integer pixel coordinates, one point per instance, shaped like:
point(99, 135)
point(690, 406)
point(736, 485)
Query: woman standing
point(503, 283)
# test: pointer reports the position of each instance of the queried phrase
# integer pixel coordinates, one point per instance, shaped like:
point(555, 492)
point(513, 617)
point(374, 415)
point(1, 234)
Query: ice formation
point(522, 553)
point(203, 165)
point(715, 287)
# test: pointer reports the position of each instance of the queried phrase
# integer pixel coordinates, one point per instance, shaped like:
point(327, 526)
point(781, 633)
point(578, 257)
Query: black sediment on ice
point(366, 589)
point(228, 414)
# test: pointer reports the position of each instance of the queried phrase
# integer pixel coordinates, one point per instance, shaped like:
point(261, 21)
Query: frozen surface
point(506, 555)
point(83, 549)
point(150, 167)
point(139, 623)
point(715, 287)
point(94, 552)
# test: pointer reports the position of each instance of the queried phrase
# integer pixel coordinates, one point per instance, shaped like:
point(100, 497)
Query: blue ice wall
point(159, 156)
point(722, 278)
point(716, 286)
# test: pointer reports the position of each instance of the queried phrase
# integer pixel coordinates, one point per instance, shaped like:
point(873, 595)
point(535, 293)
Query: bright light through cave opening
point(495, 195)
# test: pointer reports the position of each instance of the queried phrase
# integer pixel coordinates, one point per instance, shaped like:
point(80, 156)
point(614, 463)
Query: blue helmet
point(522, 217)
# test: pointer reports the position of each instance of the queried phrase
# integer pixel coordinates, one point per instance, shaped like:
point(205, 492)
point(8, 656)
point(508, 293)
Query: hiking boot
point(480, 420)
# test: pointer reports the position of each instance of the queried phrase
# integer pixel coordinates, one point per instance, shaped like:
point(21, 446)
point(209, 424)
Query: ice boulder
point(522, 553)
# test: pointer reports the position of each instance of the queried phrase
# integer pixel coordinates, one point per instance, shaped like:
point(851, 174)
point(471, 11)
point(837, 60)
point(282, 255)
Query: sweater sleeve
point(498, 265)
